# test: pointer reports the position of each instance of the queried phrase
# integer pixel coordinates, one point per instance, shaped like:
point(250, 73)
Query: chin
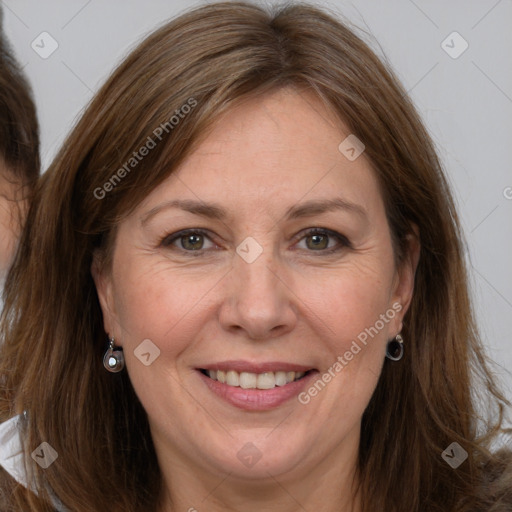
point(259, 457)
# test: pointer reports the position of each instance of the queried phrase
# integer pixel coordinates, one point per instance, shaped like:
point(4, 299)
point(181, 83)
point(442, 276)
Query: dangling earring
point(113, 360)
point(395, 348)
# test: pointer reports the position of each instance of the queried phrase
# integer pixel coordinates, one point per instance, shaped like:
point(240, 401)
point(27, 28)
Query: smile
point(248, 380)
point(252, 386)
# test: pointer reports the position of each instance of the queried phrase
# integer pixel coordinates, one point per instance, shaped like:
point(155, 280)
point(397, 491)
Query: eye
point(323, 240)
point(188, 240)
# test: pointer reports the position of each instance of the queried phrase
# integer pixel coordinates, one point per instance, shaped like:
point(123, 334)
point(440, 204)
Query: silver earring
point(113, 360)
point(395, 348)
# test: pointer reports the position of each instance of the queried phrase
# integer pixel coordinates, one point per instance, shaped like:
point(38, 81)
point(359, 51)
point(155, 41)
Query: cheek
point(353, 319)
point(154, 301)
point(350, 302)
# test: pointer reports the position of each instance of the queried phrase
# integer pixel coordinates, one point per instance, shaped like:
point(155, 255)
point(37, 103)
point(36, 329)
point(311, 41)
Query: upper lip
point(253, 367)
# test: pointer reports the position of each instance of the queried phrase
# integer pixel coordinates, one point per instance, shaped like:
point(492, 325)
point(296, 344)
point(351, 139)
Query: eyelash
point(343, 241)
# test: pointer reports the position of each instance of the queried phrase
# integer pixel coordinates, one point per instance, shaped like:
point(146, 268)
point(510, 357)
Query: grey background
point(466, 102)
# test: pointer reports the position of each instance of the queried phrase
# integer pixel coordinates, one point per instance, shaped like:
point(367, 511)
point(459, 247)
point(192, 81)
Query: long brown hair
point(51, 359)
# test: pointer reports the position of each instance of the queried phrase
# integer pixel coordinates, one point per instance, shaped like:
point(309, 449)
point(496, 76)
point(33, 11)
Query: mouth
point(256, 386)
point(250, 380)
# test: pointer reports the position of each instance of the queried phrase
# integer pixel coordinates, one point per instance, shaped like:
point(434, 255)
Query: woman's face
point(267, 252)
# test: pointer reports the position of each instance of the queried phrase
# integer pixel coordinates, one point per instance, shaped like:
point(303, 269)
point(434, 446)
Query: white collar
point(11, 449)
point(12, 456)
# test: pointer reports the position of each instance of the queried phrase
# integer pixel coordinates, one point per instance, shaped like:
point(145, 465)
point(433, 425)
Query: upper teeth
point(246, 380)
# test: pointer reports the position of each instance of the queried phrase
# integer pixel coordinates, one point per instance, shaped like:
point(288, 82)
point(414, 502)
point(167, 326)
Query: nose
point(258, 299)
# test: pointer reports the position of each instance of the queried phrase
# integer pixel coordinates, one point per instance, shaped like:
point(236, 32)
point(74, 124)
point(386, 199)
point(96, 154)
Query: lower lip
point(257, 399)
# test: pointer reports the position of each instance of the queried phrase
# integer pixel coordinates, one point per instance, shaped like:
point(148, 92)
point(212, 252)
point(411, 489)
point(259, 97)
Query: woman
point(242, 287)
point(19, 151)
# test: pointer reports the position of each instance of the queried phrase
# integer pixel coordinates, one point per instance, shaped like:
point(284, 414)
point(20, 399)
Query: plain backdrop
point(461, 84)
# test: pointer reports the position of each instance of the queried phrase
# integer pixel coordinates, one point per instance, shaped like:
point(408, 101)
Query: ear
point(404, 282)
point(104, 288)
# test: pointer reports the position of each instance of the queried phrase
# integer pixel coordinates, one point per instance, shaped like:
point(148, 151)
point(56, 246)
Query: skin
point(294, 303)
point(11, 208)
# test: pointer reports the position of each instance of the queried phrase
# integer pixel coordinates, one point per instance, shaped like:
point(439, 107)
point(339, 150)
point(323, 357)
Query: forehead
point(280, 148)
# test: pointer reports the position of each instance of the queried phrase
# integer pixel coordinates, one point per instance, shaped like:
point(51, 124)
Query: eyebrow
point(213, 211)
point(316, 207)
point(201, 208)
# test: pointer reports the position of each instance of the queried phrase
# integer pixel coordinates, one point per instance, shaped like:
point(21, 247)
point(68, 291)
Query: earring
point(395, 348)
point(113, 360)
